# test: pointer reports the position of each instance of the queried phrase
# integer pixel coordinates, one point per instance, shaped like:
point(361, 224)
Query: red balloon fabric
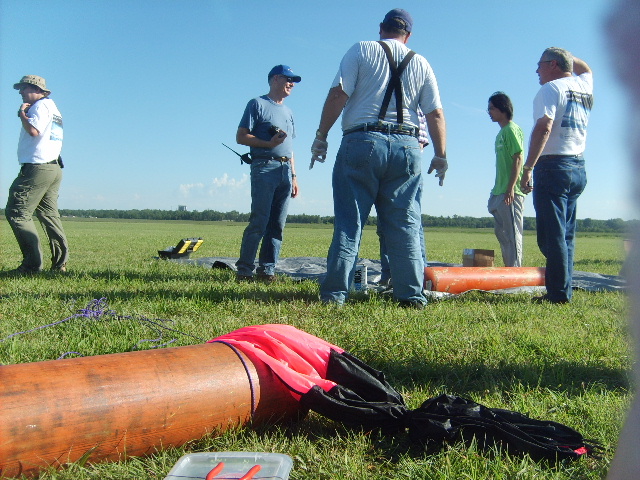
point(299, 359)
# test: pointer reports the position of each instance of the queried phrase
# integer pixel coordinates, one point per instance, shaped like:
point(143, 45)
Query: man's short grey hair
point(563, 58)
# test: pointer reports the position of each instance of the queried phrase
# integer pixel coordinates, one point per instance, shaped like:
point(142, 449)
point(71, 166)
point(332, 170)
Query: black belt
point(389, 128)
point(560, 157)
point(271, 157)
point(52, 162)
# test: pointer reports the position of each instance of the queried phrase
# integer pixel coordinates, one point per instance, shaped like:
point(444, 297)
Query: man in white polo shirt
point(35, 190)
point(561, 112)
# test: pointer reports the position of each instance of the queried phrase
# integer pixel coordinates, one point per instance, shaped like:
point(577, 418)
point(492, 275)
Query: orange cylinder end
point(461, 279)
point(130, 404)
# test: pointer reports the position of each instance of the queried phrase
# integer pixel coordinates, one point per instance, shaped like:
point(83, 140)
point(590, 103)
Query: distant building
point(182, 208)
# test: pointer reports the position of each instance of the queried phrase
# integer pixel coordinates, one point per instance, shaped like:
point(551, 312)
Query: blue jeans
point(270, 194)
point(558, 181)
point(384, 170)
point(385, 269)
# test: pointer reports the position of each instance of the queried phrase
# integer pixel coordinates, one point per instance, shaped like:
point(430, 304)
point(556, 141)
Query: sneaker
point(546, 299)
point(62, 268)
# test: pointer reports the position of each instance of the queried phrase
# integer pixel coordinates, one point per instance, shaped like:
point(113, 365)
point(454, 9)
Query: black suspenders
point(395, 83)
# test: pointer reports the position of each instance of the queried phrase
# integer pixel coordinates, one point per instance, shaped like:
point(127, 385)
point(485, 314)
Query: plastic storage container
point(196, 466)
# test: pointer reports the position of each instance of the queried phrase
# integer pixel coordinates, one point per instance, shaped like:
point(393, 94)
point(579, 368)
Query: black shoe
point(547, 299)
point(415, 304)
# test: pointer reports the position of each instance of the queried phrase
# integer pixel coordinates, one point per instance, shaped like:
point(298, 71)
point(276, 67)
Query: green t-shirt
point(510, 140)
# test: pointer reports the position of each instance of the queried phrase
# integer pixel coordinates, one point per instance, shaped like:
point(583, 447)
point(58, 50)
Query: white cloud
point(229, 183)
point(186, 188)
point(222, 188)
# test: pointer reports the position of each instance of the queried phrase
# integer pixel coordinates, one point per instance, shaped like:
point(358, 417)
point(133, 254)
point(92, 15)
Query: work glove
point(440, 165)
point(318, 151)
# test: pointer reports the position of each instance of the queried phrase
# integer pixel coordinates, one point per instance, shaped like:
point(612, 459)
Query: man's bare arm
point(333, 105)
point(580, 66)
point(244, 137)
point(437, 128)
point(539, 137)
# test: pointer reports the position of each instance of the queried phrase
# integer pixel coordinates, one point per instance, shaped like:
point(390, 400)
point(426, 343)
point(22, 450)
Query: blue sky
point(149, 89)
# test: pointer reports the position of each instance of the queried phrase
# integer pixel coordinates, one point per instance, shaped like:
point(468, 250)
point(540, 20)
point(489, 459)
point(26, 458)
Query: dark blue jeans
point(558, 181)
point(270, 195)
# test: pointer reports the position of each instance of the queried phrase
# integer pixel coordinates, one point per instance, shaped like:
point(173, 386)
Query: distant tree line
point(614, 225)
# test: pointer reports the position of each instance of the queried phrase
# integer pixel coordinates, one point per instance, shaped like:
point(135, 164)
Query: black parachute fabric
point(339, 386)
point(446, 418)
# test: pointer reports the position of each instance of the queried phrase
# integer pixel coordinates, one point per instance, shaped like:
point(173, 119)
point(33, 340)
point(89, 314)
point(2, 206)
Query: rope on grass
point(98, 309)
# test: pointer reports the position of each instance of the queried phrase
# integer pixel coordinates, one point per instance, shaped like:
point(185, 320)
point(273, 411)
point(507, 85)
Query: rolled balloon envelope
point(109, 407)
point(462, 279)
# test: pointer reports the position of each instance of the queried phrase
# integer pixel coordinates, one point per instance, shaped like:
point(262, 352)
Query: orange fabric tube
point(462, 279)
point(129, 404)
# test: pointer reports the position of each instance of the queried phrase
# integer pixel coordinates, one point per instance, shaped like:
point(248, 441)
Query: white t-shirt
point(567, 101)
point(46, 118)
point(364, 74)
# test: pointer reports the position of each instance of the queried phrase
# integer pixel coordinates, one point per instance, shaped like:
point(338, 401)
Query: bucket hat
point(33, 80)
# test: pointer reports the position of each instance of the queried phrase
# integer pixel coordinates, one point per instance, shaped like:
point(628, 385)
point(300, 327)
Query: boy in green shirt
point(506, 202)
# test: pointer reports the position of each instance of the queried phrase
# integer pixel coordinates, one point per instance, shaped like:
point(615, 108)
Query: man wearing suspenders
point(380, 86)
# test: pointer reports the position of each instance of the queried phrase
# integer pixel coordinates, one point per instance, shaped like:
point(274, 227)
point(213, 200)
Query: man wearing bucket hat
point(35, 190)
point(267, 127)
point(378, 89)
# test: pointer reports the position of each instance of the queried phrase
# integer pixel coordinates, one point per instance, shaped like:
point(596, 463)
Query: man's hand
point(278, 138)
point(318, 151)
point(441, 166)
point(525, 182)
point(508, 197)
point(24, 108)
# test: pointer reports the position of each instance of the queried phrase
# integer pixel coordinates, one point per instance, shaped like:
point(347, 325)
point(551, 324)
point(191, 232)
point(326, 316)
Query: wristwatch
point(320, 134)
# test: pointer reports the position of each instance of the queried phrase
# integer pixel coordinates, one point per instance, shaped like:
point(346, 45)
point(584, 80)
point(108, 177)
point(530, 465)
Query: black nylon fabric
point(447, 417)
point(363, 398)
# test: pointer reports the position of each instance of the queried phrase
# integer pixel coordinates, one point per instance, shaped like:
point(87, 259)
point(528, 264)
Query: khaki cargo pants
point(35, 190)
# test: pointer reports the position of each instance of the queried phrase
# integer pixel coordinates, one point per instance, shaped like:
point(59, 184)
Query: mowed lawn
point(567, 363)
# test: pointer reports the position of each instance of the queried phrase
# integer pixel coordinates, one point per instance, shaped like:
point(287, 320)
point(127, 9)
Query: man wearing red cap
point(36, 187)
point(378, 89)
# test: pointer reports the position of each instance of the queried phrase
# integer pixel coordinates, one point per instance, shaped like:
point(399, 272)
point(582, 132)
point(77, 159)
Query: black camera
point(273, 130)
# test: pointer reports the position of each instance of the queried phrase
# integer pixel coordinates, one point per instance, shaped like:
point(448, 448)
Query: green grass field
point(567, 363)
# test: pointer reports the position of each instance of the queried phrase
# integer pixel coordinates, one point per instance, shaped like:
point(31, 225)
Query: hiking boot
point(415, 304)
point(547, 299)
point(23, 271)
point(264, 278)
